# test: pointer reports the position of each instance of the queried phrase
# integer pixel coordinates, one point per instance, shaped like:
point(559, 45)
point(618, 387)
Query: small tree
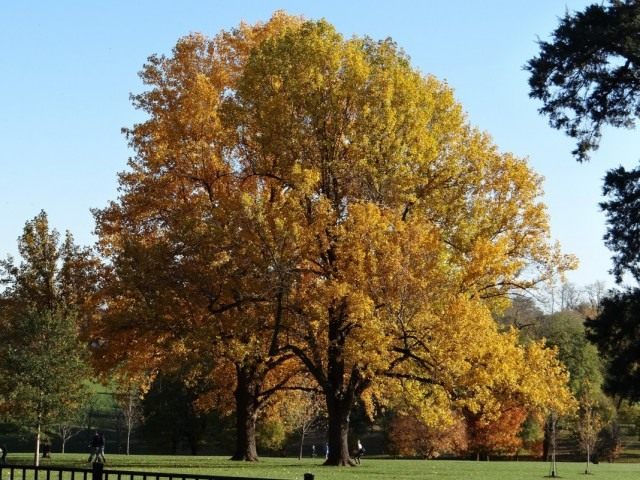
point(42, 366)
point(45, 362)
point(302, 411)
point(68, 429)
point(589, 423)
point(129, 400)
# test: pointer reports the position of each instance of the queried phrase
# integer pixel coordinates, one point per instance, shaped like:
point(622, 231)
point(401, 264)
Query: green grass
point(370, 469)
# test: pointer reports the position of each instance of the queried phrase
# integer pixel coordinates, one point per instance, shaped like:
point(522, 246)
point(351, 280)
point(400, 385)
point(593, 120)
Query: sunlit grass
point(375, 469)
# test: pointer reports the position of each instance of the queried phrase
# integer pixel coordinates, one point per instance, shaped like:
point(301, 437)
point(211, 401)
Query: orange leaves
point(294, 192)
point(408, 436)
point(497, 436)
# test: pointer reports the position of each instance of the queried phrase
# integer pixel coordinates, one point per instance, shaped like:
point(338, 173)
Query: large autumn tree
point(298, 200)
point(199, 270)
point(416, 228)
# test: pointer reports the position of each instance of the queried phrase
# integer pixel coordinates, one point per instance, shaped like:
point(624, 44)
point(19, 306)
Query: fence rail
point(98, 472)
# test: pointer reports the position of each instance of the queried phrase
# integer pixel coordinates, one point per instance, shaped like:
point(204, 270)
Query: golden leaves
point(293, 191)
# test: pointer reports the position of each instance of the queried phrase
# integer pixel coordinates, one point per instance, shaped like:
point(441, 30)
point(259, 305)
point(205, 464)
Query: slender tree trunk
point(246, 415)
point(301, 445)
point(554, 469)
point(128, 439)
point(36, 460)
point(546, 441)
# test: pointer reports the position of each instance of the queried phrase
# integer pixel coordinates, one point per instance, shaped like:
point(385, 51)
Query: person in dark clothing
point(97, 448)
point(3, 458)
point(46, 449)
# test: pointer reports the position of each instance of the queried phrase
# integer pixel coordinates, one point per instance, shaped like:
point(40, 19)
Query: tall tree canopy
point(588, 75)
point(299, 201)
point(42, 361)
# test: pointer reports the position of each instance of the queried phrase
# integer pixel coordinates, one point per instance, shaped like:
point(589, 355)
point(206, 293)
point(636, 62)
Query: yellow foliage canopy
point(296, 193)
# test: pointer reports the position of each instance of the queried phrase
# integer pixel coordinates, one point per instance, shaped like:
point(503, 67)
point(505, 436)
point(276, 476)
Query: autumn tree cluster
point(309, 215)
point(309, 212)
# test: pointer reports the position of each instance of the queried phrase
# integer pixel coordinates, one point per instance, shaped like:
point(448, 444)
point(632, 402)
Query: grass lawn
point(370, 469)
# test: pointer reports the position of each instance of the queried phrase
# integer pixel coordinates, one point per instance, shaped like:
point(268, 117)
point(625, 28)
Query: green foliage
point(566, 332)
point(532, 435)
point(622, 208)
point(271, 435)
point(53, 275)
point(616, 332)
point(43, 362)
point(171, 418)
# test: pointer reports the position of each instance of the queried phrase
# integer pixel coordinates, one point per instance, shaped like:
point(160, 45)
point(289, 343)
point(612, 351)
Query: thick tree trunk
point(246, 415)
point(338, 441)
point(340, 390)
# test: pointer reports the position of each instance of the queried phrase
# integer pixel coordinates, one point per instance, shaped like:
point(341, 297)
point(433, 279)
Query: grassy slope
point(371, 469)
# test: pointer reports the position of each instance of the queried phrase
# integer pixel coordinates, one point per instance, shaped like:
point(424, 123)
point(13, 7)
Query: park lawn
point(370, 469)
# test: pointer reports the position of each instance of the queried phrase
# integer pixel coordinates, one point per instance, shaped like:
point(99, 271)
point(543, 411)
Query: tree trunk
point(340, 390)
point(339, 411)
point(246, 415)
point(301, 445)
point(36, 460)
point(546, 442)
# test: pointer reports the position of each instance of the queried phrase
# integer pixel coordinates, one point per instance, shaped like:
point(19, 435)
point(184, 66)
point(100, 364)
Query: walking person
point(3, 452)
point(97, 448)
point(359, 452)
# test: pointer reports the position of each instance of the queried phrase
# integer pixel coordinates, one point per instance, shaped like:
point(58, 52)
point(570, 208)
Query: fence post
point(97, 470)
point(308, 476)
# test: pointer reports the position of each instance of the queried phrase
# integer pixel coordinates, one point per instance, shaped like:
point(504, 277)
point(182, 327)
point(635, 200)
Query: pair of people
point(97, 448)
point(357, 455)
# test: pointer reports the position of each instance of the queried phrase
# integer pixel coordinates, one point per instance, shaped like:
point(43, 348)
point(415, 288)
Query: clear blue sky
point(67, 68)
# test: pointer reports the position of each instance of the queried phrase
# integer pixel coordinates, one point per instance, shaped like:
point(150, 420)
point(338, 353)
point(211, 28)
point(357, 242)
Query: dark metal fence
point(98, 472)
